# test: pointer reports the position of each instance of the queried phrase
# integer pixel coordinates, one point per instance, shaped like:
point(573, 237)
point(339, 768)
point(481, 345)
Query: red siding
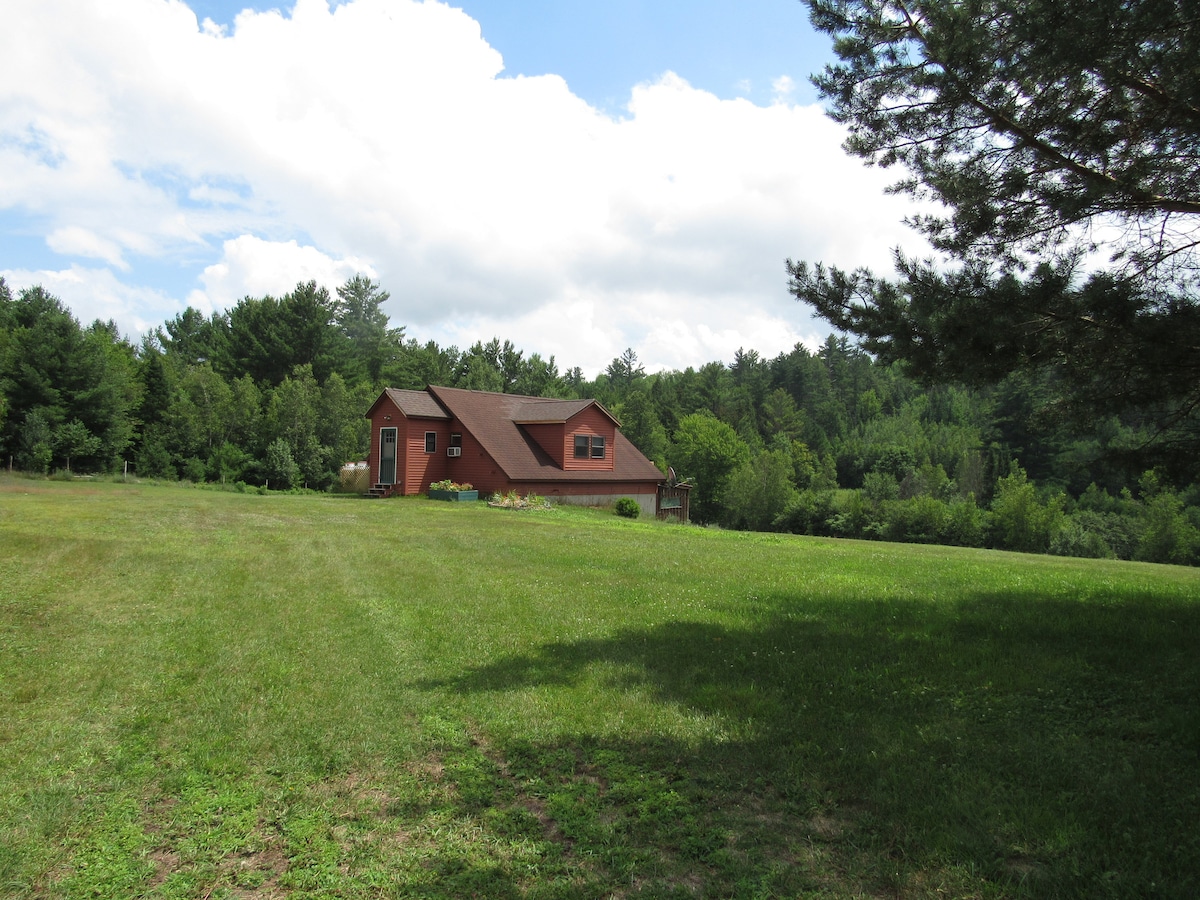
point(590, 421)
point(379, 420)
point(415, 468)
point(550, 439)
point(421, 468)
point(475, 466)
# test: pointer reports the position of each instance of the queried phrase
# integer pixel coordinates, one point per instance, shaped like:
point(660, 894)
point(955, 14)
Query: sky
point(576, 177)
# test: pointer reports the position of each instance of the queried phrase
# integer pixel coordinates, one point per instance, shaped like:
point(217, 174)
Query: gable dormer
point(579, 435)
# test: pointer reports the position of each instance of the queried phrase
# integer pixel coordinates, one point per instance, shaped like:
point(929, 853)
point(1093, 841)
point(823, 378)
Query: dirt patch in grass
point(256, 874)
point(166, 863)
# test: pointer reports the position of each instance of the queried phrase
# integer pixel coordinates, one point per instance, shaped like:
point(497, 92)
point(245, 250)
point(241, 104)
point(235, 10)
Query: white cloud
point(93, 294)
point(75, 241)
point(253, 267)
point(783, 88)
point(382, 136)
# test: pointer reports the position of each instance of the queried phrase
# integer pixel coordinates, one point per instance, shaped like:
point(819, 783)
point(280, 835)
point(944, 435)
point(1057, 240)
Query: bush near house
point(627, 507)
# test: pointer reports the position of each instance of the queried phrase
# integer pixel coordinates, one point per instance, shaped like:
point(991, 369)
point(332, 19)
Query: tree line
point(272, 392)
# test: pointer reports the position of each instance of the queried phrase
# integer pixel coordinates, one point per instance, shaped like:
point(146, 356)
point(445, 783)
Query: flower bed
point(513, 500)
point(452, 490)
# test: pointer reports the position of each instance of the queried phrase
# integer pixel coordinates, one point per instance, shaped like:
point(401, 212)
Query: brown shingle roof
point(417, 403)
point(546, 411)
point(494, 420)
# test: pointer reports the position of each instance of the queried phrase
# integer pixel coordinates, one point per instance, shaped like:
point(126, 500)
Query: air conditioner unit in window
point(454, 451)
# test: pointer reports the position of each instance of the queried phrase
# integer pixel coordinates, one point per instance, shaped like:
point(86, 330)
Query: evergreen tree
point(190, 339)
point(1048, 132)
point(155, 389)
point(268, 338)
point(359, 316)
point(51, 366)
point(479, 370)
point(106, 394)
point(624, 371)
point(539, 378)
point(640, 424)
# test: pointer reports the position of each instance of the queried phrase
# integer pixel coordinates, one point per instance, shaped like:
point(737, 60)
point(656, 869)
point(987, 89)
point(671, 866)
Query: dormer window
point(589, 446)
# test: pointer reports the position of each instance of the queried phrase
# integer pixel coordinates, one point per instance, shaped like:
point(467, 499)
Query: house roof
point(417, 404)
point(495, 419)
point(544, 411)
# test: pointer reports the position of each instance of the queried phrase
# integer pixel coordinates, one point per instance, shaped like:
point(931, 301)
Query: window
point(431, 442)
point(456, 439)
point(589, 446)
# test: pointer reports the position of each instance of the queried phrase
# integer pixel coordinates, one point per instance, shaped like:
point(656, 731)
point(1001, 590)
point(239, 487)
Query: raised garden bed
point(452, 491)
point(453, 495)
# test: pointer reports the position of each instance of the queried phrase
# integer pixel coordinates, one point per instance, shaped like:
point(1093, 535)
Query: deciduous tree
point(707, 450)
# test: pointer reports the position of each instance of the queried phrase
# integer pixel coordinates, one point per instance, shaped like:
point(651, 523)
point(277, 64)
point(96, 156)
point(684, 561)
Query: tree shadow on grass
point(1035, 747)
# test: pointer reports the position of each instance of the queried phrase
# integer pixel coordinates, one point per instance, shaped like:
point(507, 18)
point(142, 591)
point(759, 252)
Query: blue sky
point(575, 177)
point(602, 49)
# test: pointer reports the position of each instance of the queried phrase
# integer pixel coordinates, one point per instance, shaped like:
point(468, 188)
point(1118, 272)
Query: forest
point(272, 392)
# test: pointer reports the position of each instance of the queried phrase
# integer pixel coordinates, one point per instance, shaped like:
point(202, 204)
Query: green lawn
point(207, 695)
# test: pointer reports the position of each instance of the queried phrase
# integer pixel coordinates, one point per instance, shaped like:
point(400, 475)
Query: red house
point(571, 451)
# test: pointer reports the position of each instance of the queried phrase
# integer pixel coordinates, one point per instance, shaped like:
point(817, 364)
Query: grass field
point(207, 695)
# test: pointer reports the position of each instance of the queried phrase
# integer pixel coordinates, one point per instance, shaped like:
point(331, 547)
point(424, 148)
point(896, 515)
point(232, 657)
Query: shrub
point(965, 525)
point(811, 512)
point(1168, 536)
point(758, 491)
point(627, 507)
point(919, 520)
point(1020, 521)
point(194, 469)
point(227, 463)
point(857, 516)
point(153, 459)
point(1076, 539)
point(1120, 532)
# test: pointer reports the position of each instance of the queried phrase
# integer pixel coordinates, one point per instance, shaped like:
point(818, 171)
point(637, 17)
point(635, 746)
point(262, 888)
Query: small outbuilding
point(570, 451)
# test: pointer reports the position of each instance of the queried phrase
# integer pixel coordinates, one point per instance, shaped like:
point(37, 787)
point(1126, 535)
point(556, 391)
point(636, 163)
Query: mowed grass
point(210, 695)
